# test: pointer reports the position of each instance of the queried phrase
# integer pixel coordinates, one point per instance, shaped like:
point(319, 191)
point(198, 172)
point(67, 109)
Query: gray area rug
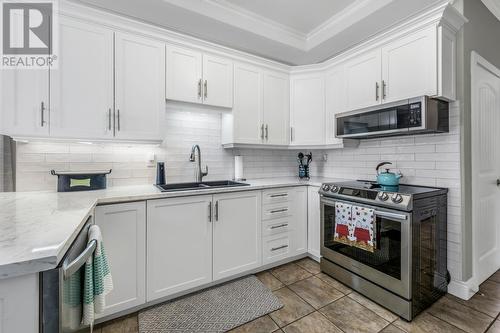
point(217, 309)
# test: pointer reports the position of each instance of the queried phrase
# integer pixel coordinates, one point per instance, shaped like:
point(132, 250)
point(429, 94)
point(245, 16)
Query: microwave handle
point(75, 265)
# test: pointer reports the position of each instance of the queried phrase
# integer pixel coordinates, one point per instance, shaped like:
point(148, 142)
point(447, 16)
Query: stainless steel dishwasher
point(61, 288)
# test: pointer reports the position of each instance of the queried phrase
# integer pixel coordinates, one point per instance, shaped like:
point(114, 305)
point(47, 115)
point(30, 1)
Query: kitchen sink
point(199, 186)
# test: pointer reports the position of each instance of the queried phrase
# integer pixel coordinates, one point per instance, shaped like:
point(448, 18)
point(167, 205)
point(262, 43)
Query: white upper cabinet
point(139, 88)
point(362, 79)
point(217, 81)
point(24, 103)
point(409, 66)
point(276, 108)
point(194, 77)
point(307, 109)
point(81, 103)
point(335, 101)
point(184, 75)
point(236, 233)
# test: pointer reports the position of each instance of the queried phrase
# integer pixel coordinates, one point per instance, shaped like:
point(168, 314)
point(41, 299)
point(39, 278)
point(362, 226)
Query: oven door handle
point(74, 266)
point(391, 215)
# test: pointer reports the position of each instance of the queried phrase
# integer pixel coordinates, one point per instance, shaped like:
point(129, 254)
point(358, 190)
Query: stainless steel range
point(405, 270)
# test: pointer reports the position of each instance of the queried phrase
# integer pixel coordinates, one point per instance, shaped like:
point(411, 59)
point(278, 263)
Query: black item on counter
point(304, 165)
point(160, 173)
point(70, 181)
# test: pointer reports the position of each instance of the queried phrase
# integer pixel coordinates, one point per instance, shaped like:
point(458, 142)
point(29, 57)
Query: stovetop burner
point(398, 197)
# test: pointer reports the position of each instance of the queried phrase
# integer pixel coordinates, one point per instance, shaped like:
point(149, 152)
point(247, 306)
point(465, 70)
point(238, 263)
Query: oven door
point(389, 265)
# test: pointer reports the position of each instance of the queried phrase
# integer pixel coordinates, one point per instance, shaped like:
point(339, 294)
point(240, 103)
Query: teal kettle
point(387, 178)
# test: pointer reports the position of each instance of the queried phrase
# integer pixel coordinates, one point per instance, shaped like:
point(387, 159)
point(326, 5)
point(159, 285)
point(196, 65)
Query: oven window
point(387, 256)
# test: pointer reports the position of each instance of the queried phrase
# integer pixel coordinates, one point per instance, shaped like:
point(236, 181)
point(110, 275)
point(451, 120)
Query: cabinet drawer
point(276, 195)
point(271, 212)
point(275, 248)
point(276, 226)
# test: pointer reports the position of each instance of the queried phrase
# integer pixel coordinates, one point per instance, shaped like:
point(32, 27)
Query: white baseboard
point(461, 289)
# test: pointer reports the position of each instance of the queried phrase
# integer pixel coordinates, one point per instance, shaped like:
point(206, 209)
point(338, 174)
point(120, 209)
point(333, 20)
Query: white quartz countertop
point(37, 228)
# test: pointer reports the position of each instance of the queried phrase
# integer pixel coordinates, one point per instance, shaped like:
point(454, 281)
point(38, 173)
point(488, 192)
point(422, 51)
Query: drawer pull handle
point(279, 226)
point(279, 210)
point(279, 195)
point(279, 247)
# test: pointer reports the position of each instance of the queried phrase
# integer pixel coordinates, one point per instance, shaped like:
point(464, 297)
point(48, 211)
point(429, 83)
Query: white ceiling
point(294, 32)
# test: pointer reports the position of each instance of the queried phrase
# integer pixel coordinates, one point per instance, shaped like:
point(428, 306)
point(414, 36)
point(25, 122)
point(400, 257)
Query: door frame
point(476, 62)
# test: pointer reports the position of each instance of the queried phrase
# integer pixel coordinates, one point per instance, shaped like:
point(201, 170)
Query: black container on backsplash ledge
point(304, 161)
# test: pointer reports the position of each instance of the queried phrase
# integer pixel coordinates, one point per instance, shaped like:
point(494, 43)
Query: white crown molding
point(493, 6)
point(354, 13)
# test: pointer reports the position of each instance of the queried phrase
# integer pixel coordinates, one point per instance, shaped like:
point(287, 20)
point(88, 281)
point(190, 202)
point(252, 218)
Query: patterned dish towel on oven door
point(364, 228)
point(344, 226)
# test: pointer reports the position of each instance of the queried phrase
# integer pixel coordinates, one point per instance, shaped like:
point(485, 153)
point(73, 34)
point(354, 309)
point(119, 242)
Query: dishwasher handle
point(75, 265)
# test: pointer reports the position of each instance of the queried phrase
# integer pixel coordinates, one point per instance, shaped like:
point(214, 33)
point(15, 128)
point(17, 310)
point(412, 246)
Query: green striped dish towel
point(98, 282)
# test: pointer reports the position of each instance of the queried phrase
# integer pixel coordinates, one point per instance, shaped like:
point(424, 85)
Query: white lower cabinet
point(313, 222)
point(299, 241)
point(179, 245)
point(123, 228)
point(19, 304)
point(237, 233)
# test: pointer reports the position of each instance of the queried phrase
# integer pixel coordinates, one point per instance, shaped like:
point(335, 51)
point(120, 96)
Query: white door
point(82, 86)
point(217, 81)
point(247, 109)
point(179, 245)
point(335, 101)
point(237, 233)
point(276, 106)
point(299, 227)
point(307, 110)
point(485, 167)
point(184, 76)
point(25, 102)
point(409, 66)
point(362, 77)
point(313, 221)
point(123, 228)
point(139, 88)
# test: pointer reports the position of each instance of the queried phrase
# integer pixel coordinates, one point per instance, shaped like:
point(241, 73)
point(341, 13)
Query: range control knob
point(383, 196)
point(334, 189)
point(326, 187)
point(397, 198)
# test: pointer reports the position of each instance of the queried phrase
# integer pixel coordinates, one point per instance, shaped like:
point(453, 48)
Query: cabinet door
point(299, 229)
point(179, 249)
point(363, 75)
point(237, 233)
point(313, 222)
point(82, 86)
point(184, 75)
point(217, 81)
point(247, 109)
point(307, 111)
point(140, 88)
point(335, 101)
point(409, 66)
point(276, 105)
point(123, 228)
point(24, 102)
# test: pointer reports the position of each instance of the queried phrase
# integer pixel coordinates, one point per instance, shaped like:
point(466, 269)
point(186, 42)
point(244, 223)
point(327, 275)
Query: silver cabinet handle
point(205, 89)
point(42, 113)
point(279, 226)
point(279, 210)
point(199, 88)
point(498, 182)
point(217, 210)
point(262, 131)
point(376, 91)
point(291, 134)
point(279, 195)
point(118, 126)
point(267, 131)
point(74, 266)
point(384, 88)
point(109, 119)
point(210, 211)
point(279, 247)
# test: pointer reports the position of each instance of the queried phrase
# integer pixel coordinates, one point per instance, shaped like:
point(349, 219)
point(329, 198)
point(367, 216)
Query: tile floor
point(316, 303)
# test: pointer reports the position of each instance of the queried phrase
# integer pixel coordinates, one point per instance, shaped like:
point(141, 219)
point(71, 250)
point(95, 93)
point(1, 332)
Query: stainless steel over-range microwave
point(410, 116)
